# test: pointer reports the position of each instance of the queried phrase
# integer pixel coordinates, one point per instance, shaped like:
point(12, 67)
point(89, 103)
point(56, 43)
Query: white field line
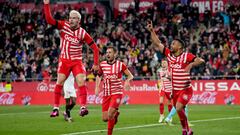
point(148, 125)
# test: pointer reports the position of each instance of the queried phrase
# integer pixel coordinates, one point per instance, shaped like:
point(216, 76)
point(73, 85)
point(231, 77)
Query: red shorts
point(113, 101)
point(66, 66)
point(167, 94)
point(182, 96)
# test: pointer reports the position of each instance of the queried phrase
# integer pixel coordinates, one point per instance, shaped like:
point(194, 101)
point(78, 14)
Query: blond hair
point(75, 12)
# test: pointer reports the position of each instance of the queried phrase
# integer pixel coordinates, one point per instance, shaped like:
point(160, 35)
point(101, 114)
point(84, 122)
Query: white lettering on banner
point(71, 39)
point(144, 87)
point(214, 6)
point(145, 4)
point(7, 98)
point(209, 86)
point(123, 6)
point(235, 86)
point(43, 87)
point(204, 98)
point(222, 86)
point(215, 86)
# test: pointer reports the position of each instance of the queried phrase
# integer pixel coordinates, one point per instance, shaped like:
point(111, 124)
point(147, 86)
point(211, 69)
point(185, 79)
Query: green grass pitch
point(133, 120)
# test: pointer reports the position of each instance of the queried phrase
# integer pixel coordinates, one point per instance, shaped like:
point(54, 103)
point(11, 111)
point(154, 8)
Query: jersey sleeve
point(100, 72)
point(166, 51)
point(89, 40)
point(49, 18)
point(190, 57)
point(124, 67)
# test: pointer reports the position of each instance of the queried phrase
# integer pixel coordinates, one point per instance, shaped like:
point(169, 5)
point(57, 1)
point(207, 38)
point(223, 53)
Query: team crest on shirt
point(185, 97)
point(118, 100)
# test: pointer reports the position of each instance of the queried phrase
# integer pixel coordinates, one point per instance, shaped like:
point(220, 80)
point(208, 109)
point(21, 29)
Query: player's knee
point(178, 109)
point(110, 116)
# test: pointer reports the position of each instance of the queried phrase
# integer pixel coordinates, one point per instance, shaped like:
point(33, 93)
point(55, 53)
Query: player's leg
point(66, 113)
point(170, 115)
point(161, 107)
point(168, 119)
point(105, 107)
point(63, 72)
point(71, 104)
point(80, 74)
point(113, 112)
point(183, 99)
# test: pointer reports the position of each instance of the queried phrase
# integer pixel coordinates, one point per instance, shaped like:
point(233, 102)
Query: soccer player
point(72, 39)
point(111, 71)
point(180, 63)
point(164, 79)
point(70, 96)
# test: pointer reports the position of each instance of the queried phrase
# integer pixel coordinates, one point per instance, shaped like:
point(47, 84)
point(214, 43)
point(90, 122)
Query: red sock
point(161, 108)
point(83, 95)
point(169, 108)
point(183, 119)
point(111, 124)
point(57, 95)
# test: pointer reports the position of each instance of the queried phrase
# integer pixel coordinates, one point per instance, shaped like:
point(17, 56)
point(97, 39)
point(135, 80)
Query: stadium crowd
point(29, 47)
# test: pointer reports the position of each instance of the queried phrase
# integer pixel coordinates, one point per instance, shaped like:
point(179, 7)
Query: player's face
point(110, 55)
point(175, 46)
point(74, 20)
point(164, 64)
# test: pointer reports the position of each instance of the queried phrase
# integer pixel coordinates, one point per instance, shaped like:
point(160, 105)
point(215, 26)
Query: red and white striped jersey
point(180, 78)
point(71, 41)
point(112, 77)
point(163, 75)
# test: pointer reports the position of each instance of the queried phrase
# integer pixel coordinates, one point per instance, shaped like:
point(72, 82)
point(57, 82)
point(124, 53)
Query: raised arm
point(196, 62)
point(155, 40)
point(88, 39)
point(47, 12)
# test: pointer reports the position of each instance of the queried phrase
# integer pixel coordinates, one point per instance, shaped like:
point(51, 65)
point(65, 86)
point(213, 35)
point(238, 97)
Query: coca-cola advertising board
point(142, 92)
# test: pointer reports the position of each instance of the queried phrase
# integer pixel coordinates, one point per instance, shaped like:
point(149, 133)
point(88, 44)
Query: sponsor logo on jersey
point(175, 66)
point(71, 39)
point(111, 76)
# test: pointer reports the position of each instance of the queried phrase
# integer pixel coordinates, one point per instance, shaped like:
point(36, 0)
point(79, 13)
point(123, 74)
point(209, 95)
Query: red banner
point(142, 92)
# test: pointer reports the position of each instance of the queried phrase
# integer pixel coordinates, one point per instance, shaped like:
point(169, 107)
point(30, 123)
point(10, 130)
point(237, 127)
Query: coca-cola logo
point(204, 98)
point(7, 98)
point(43, 87)
point(93, 99)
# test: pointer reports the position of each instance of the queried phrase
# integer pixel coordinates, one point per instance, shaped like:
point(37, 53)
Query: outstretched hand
point(127, 85)
point(46, 1)
point(149, 25)
point(95, 69)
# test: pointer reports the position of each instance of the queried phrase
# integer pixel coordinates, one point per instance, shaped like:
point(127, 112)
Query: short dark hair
point(181, 42)
point(112, 47)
